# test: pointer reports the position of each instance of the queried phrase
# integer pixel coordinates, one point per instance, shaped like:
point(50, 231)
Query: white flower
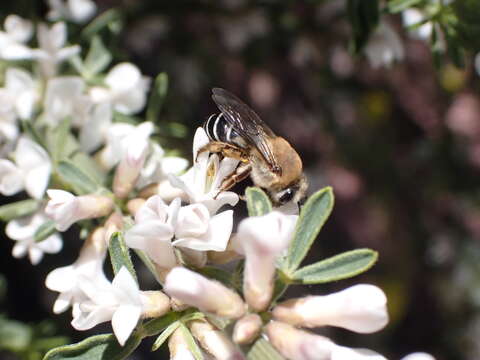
point(125, 89)
point(52, 49)
point(418, 356)
point(61, 95)
point(19, 94)
point(65, 208)
point(207, 295)
point(153, 231)
point(197, 230)
point(262, 239)
point(120, 138)
point(121, 302)
point(23, 230)
point(384, 46)
point(17, 32)
point(412, 17)
point(94, 129)
point(346, 353)
point(89, 265)
point(158, 166)
point(78, 11)
point(361, 308)
point(202, 182)
point(31, 170)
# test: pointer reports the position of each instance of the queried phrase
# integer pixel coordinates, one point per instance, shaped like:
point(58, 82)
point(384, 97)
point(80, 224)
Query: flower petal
point(124, 320)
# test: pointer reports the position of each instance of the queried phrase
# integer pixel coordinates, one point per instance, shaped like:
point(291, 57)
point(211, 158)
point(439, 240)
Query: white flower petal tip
point(345, 353)
point(17, 32)
point(247, 329)
point(78, 11)
point(65, 209)
point(297, 344)
point(418, 356)
point(360, 308)
point(262, 239)
point(205, 294)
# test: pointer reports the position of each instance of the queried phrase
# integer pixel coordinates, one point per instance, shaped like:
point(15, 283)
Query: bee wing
point(247, 123)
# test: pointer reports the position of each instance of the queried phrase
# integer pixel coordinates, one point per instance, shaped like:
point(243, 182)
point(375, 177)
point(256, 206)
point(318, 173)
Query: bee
point(271, 162)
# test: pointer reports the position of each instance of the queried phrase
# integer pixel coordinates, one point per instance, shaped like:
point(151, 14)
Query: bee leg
point(227, 150)
point(240, 173)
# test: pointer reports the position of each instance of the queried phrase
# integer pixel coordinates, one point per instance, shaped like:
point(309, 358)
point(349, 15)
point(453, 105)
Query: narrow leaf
point(258, 203)
point(57, 140)
point(223, 276)
point(191, 343)
point(155, 326)
point(262, 350)
point(98, 347)
point(98, 57)
point(148, 263)
point(101, 22)
point(342, 266)
point(75, 178)
point(157, 97)
point(165, 335)
point(44, 231)
point(88, 166)
point(312, 217)
point(18, 209)
point(396, 6)
point(120, 255)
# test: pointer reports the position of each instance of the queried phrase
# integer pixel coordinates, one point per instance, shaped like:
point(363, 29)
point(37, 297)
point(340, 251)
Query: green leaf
point(101, 22)
point(148, 263)
point(57, 140)
point(98, 57)
point(155, 326)
point(191, 343)
point(258, 203)
point(262, 350)
point(18, 209)
point(342, 266)
point(157, 97)
point(75, 178)
point(165, 335)
point(363, 16)
point(100, 347)
point(312, 217)
point(396, 6)
point(14, 335)
point(120, 255)
point(88, 166)
point(44, 231)
point(220, 275)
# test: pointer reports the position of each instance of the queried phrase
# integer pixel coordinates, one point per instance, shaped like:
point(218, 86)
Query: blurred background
point(399, 144)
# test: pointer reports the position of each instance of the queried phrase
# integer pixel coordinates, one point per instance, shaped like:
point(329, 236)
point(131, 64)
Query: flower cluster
point(84, 162)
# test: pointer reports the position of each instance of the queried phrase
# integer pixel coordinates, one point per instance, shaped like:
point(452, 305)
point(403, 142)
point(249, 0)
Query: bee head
point(295, 192)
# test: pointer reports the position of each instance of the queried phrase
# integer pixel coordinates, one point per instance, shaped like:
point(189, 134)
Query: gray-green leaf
point(98, 57)
point(75, 178)
point(18, 209)
point(101, 22)
point(165, 335)
point(98, 347)
point(120, 255)
point(191, 343)
point(258, 203)
point(312, 217)
point(262, 350)
point(157, 97)
point(44, 231)
point(342, 266)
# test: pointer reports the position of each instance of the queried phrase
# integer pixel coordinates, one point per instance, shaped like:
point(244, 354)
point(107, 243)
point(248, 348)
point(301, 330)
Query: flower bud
point(134, 205)
point(205, 294)
point(214, 341)
point(128, 170)
point(65, 208)
point(262, 239)
point(155, 304)
point(178, 347)
point(295, 344)
point(360, 308)
point(247, 329)
point(418, 356)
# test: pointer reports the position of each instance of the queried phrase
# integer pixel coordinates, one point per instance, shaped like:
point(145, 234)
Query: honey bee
point(271, 162)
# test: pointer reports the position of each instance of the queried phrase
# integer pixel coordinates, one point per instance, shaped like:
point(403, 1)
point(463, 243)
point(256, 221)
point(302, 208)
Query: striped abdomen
point(219, 129)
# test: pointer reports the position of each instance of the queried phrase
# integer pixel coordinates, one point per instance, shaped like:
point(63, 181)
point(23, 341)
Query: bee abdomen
point(219, 129)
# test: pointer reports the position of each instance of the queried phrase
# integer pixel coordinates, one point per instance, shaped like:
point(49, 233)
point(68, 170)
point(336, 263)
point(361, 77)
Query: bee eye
point(286, 195)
